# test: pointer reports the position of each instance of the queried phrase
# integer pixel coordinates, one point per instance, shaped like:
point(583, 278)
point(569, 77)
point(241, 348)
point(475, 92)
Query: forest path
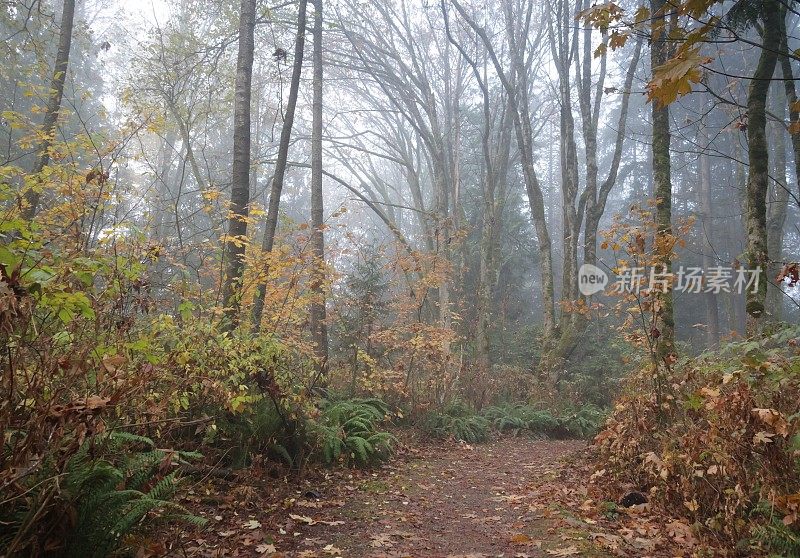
point(454, 501)
point(506, 498)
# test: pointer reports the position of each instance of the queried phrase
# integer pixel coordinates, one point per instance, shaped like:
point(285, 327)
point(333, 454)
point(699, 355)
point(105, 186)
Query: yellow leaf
point(675, 77)
point(600, 50)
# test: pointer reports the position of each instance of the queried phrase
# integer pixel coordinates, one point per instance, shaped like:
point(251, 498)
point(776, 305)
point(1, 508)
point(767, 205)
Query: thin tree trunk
point(758, 156)
point(319, 329)
point(777, 211)
point(707, 223)
point(161, 189)
point(595, 210)
point(283, 156)
point(791, 100)
point(33, 196)
point(662, 181)
point(236, 238)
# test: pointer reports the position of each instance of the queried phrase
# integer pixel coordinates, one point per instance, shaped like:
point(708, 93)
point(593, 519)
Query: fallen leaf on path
point(381, 541)
point(266, 549)
point(569, 551)
point(521, 538)
point(303, 519)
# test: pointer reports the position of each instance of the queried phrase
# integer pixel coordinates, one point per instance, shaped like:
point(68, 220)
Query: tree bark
point(791, 100)
point(777, 211)
point(276, 186)
point(33, 196)
point(662, 182)
point(319, 328)
point(757, 150)
point(707, 223)
point(236, 237)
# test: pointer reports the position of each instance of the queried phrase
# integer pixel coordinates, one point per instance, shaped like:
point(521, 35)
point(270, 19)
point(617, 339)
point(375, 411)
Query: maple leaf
point(600, 50)
point(112, 363)
point(617, 40)
point(675, 77)
point(763, 437)
point(381, 541)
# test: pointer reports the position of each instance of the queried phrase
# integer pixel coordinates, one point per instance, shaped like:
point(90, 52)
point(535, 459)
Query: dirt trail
point(452, 500)
point(460, 501)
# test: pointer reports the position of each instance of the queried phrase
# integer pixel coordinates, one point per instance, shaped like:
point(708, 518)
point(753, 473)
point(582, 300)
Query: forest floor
point(513, 497)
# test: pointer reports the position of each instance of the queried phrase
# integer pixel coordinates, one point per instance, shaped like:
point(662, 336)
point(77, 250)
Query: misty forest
point(399, 278)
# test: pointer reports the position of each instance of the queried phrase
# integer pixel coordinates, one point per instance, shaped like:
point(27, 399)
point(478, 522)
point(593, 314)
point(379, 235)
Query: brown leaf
point(773, 418)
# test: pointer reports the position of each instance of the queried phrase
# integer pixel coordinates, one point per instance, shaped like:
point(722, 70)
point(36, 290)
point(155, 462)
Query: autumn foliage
point(721, 449)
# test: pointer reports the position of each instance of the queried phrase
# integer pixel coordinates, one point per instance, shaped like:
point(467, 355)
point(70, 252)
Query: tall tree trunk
point(736, 239)
point(777, 210)
point(595, 209)
point(162, 189)
point(662, 182)
point(569, 163)
point(791, 99)
point(33, 196)
point(319, 329)
point(235, 241)
point(758, 156)
point(707, 222)
point(494, 167)
point(283, 156)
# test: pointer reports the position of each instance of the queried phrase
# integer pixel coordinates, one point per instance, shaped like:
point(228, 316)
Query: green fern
point(348, 430)
point(458, 422)
point(112, 498)
point(771, 535)
point(584, 423)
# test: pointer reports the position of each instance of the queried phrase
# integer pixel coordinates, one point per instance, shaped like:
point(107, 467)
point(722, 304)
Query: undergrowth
point(349, 431)
point(458, 421)
point(114, 486)
point(721, 450)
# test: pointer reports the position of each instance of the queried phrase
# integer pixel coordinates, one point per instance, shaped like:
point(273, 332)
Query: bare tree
point(515, 81)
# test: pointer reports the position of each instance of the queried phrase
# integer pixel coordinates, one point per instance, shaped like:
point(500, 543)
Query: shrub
point(347, 430)
point(257, 429)
point(115, 485)
point(584, 423)
point(459, 422)
point(723, 443)
point(518, 417)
